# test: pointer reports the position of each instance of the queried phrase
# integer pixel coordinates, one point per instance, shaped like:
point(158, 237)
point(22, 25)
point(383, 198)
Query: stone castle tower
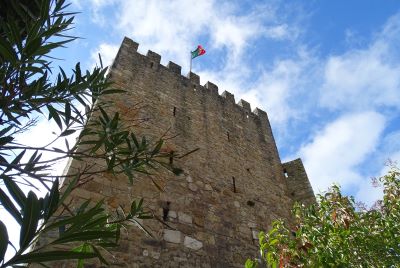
point(233, 185)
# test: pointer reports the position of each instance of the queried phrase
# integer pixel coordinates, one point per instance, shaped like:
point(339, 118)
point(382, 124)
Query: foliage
point(334, 233)
point(29, 32)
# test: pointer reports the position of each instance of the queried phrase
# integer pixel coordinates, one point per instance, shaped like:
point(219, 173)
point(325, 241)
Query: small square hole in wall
point(250, 203)
point(285, 173)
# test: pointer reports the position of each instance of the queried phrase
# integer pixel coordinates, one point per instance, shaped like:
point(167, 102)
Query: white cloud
point(97, 9)
point(107, 52)
point(335, 152)
point(273, 89)
point(365, 78)
point(279, 32)
point(276, 87)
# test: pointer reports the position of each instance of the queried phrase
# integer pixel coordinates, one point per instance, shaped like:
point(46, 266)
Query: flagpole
point(190, 70)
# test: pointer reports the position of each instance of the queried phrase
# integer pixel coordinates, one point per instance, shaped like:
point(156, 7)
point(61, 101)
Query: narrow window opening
point(292, 194)
point(285, 173)
point(247, 116)
point(194, 88)
point(166, 211)
point(234, 184)
point(227, 135)
point(174, 112)
point(151, 64)
point(171, 157)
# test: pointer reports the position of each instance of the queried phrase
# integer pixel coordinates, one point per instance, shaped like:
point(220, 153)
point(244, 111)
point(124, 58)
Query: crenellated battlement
point(153, 61)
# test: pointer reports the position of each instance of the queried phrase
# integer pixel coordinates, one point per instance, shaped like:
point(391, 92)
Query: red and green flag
point(198, 52)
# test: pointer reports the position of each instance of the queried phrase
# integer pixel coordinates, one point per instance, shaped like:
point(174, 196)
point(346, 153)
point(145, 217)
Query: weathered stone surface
point(252, 225)
point(193, 187)
point(172, 214)
point(207, 187)
point(192, 243)
point(255, 234)
point(172, 236)
point(155, 255)
point(199, 220)
point(200, 184)
point(184, 218)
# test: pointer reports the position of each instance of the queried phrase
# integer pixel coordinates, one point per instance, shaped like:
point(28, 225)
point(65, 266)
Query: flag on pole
point(198, 52)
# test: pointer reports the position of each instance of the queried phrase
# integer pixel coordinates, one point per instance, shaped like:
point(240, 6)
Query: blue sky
point(326, 72)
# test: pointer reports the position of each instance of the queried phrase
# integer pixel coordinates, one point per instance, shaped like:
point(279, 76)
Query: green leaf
point(114, 121)
point(5, 130)
point(3, 240)
point(54, 198)
point(140, 226)
point(53, 113)
point(30, 220)
point(67, 113)
point(9, 206)
point(76, 221)
point(104, 114)
point(250, 264)
point(85, 247)
point(83, 206)
point(16, 160)
point(15, 191)
point(67, 191)
point(5, 140)
point(112, 91)
point(156, 150)
point(111, 163)
point(135, 141)
point(7, 51)
point(99, 255)
point(46, 256)
point(101, 221)
point(135, 209)
point(67, 132)
point(31, 47)
point(84, 236)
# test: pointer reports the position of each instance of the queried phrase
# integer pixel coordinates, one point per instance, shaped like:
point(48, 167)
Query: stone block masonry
point(232, 186)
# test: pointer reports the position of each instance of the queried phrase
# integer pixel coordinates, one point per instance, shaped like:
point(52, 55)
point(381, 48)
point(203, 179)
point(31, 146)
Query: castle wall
point(299, 186)
point(233, 185)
